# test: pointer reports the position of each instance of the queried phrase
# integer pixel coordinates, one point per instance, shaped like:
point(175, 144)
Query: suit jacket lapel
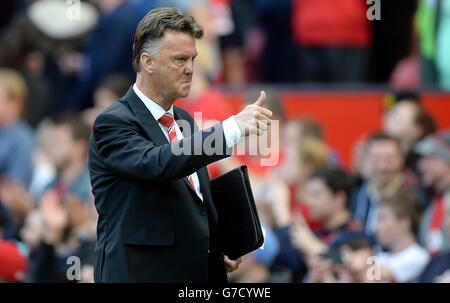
point(146, 119)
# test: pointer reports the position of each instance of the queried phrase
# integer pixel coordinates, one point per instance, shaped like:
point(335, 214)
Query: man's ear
point(147, 62)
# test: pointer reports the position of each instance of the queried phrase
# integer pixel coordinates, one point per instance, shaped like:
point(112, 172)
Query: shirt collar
point(389, 190)
point(155, 109)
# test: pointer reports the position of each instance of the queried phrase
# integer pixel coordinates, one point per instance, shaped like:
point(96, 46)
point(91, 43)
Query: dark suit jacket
point(152, 226)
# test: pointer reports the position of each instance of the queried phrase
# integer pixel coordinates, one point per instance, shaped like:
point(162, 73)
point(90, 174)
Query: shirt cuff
point(231, 131)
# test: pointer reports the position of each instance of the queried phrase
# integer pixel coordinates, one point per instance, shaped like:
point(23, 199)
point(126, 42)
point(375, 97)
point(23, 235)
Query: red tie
point(168, 121)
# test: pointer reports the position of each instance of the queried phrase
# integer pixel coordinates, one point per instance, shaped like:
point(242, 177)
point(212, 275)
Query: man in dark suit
point(157, 220)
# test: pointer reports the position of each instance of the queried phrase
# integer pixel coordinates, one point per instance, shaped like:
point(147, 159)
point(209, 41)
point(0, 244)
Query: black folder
point(238, 222)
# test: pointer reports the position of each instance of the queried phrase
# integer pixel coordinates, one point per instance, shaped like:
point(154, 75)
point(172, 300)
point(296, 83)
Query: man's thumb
point(262, 99)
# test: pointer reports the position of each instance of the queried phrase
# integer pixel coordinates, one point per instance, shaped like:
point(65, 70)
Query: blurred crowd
point(384, 219)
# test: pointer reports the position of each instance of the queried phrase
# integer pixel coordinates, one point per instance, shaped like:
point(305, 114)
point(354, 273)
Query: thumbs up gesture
point(254, 118)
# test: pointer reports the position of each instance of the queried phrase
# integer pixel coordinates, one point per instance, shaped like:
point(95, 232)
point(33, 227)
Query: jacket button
point(206, 240)
point(203, 212)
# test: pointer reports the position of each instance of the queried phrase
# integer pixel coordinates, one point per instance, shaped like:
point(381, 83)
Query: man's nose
point(189, 68)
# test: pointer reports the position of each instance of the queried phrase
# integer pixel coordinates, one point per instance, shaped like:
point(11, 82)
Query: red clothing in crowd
point(13, 264)
point(434, 234)
point(318, 23)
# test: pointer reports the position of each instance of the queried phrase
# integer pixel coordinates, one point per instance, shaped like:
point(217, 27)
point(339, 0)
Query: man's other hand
point(232, 265)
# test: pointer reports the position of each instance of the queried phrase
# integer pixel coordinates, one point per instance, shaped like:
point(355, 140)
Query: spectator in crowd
point(327, 194)
point(435, 169)
point(396, 229)
point(63, 224)
point(384, 159)
point(44, 170)
point(333, 48)
point(293, 133)
point(408, 122)
point(16, 204)
point(68, 151)
point(352, 256)
point(273, 199)
point(360, 167)
point(313, 154)
point(349, 261)
point(438, 270)
point(16, 137)
point(16, 149)
point(303, 151)
point(110, 89)
point(57, 231)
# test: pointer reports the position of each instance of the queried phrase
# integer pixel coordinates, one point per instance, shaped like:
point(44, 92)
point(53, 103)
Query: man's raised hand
point(254, 118)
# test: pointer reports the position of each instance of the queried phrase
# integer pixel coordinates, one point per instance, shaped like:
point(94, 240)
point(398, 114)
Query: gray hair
point(152, 27)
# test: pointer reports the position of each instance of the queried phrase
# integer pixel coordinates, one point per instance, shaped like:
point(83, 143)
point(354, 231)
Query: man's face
point(385, 161)
point(389, 227)
point(174, 65)
point(435, 171)
point(399, 121)
point(320, 199)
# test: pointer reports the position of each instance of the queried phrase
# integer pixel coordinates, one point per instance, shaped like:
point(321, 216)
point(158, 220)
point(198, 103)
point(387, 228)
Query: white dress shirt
point(231, 130)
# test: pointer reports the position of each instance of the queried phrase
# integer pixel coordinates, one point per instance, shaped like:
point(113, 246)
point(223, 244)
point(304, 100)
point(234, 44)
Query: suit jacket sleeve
point(125, 150)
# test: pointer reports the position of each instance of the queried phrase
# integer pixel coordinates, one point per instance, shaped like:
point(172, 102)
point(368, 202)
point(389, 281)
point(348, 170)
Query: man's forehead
point(179, 42)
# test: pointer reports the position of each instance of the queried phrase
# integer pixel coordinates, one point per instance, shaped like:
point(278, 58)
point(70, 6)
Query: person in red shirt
point(334, 39)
